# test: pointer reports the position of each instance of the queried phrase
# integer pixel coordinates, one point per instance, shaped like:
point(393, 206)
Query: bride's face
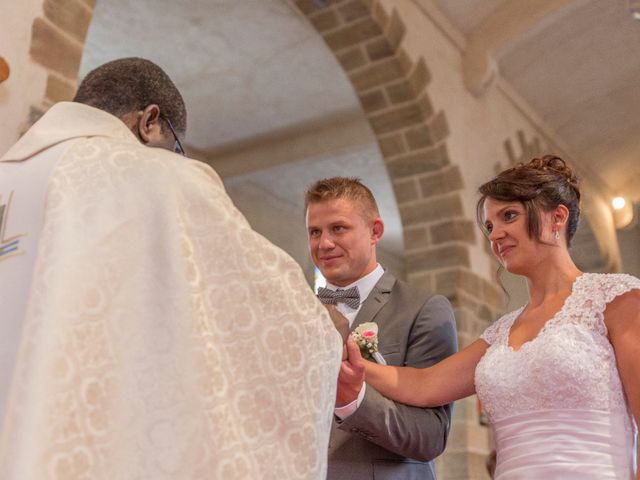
point(506, 227)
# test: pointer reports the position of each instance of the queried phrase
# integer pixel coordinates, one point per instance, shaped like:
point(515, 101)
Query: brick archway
point(393, 90)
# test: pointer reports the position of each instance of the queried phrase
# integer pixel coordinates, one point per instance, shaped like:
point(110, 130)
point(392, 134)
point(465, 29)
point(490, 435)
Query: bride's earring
point(556, 235)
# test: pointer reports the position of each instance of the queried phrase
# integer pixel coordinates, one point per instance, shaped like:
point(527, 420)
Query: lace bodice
point(569, 364)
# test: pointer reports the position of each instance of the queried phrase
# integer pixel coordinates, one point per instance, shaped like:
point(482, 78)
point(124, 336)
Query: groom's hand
point(351, 376)
point(339, 321)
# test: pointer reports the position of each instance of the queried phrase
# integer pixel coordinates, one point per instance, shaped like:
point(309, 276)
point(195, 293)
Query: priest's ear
point(150, 128)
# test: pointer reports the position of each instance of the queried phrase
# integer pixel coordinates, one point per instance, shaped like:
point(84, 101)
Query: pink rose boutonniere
point(366, 336)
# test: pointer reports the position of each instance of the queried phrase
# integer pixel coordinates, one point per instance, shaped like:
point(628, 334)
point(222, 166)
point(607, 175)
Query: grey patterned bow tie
point(350, 296)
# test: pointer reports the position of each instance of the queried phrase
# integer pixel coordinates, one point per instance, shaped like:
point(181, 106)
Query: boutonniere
point(366, 336)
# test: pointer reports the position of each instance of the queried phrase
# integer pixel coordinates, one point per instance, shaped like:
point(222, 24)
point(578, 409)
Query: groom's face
point(342, 242)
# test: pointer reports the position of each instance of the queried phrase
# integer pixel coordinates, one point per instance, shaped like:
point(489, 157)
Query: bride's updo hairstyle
point(540, 185)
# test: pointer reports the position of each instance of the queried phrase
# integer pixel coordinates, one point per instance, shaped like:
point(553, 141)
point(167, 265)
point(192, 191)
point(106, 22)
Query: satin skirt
point(564, 444)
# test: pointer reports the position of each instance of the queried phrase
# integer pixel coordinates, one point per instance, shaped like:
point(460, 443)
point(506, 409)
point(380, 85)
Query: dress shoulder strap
point(596, 291)
point(500, 327)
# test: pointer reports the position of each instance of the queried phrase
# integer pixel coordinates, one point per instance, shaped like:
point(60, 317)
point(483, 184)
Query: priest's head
point(140, 94)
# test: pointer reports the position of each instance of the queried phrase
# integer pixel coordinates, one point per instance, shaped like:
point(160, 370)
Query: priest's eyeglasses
point(177, 147)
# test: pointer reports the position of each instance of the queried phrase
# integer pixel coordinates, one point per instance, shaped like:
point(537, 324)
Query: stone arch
point(368, 43)
point(412, 136)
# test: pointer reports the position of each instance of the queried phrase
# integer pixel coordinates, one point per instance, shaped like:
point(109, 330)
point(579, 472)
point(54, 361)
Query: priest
point(147, 331)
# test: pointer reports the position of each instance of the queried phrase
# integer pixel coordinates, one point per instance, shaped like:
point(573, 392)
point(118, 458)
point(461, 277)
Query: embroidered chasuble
point(149, 332)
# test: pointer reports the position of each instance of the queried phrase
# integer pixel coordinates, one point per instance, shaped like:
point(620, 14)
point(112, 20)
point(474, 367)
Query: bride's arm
point(449, 380)
point(622, 318)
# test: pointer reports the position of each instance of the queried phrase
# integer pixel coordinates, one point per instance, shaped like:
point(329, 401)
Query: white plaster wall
point(478, 126)
point(26, 83)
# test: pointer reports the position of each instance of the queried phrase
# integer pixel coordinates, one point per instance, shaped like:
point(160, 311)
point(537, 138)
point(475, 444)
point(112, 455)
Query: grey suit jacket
point(383, 439)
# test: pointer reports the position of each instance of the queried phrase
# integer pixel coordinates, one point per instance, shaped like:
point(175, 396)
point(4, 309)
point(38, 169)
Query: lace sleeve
point(602, 290)
point(494, 331)
point(618, 284)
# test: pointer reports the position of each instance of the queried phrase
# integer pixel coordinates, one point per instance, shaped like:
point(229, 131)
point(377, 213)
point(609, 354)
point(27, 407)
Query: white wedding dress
point(557, 405)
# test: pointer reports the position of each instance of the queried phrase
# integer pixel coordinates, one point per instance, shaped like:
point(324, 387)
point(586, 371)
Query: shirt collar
point(66, 120)
point(364, 284)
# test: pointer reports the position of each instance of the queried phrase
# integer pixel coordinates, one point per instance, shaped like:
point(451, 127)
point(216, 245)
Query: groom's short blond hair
point(343, 188)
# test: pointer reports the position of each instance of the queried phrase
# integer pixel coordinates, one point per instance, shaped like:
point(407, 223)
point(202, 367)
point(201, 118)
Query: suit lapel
point(376, 300)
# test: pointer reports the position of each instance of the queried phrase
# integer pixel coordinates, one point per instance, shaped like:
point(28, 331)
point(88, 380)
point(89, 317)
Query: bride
point(559, 377)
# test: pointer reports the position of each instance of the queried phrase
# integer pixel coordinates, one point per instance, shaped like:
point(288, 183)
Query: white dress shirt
point(365, 285)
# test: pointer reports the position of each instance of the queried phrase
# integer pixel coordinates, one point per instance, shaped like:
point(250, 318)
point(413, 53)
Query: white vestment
point(149, 333)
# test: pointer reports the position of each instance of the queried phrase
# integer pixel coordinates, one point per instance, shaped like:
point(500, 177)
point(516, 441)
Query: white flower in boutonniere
point(366, 336)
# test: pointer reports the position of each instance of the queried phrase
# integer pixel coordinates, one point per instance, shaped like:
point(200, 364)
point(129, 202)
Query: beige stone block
point(353, 10)
point(486, 314)
point(406, 190)
point(458, 279)
point(433, 209)
point(311, 6)
point(421, 280)
point(380, 15)
point(55, 50)
point(457, 230)
point(464, 320)
point(352, 58)
point(376, 74)
point(448, 282)
point(440, 257)
point(427, 160)
point(325, 20)
point(400, 92)
point(416, 237)
point(373, 101)
point(405, 60)
point(353, 34)
point(420, 76)
point(396, 29)
point(59, 89)
point(446, 180)
point(462, 299)
point(418, 137)
point(493, 295)
point(438, 127)
point(396, 119)
point(391, 145)
point(72, 16)
point(379, 48)
point(425, 104)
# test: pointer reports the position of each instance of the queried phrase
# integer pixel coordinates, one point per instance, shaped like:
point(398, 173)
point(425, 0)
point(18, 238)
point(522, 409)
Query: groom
point(372, 436)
